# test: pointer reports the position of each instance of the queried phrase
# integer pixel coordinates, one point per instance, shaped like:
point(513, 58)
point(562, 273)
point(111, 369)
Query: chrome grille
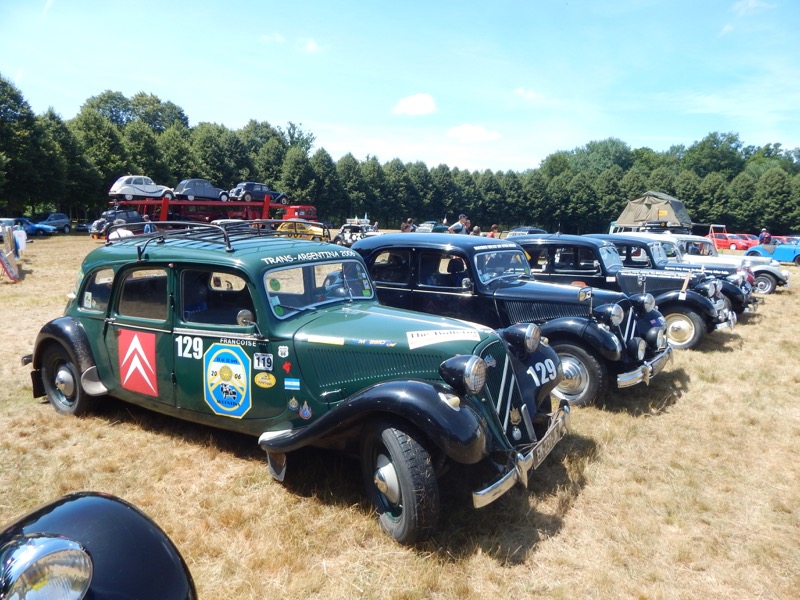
point(501, 384)
point(539, 312)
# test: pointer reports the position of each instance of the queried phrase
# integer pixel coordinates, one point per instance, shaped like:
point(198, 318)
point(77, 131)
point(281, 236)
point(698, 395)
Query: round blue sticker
point(227, 380)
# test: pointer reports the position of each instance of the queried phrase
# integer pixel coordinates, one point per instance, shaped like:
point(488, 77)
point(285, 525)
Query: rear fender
point(70, 334)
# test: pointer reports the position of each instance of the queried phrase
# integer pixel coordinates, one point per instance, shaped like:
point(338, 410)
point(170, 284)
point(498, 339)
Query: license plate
point(548, 442)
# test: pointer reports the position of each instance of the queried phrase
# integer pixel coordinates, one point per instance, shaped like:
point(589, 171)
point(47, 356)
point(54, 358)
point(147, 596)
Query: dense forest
point(47, 163)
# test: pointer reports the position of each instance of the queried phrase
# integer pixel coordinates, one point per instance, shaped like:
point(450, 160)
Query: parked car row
point(412, 352)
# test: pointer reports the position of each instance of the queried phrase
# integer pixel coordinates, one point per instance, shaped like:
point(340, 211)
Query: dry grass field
point(687, 489)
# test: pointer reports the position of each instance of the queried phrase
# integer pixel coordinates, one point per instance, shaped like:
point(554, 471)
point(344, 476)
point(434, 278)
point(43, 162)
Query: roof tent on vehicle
point(653, 210)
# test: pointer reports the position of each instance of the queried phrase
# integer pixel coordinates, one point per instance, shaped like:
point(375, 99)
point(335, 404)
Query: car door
point(571, 264)
point(223, 368)
point(391, 273)
point(137, 336)
point(439, 286)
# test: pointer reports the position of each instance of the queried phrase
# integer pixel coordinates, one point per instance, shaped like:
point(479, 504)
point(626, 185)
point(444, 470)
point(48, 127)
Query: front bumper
point(648, 370)
point(729, 320)
point(559, 426)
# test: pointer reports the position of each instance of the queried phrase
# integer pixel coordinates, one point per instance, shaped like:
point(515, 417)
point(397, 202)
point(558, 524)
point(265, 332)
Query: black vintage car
point(91, 545)
point(646, 253)
point(600, 336)
point(690, 302)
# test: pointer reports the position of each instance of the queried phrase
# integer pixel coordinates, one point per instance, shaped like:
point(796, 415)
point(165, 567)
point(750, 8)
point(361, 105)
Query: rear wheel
point(752, 253)
point(401, 482)
point(684, 328)
point(765, 284)
point(169, 195)
point(733, 247)
point(66, 228)
point(248, 197)
point(223, 197)
point(62, 383)
point(585, 377)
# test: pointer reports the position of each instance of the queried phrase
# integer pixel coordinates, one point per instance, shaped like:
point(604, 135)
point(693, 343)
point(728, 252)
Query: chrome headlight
point(657, 338)
point(610, 314)
point(44, 567)
point(465, 373)
point(637, 348)
point(643, 303)
point(523, 337)
point(736, 278)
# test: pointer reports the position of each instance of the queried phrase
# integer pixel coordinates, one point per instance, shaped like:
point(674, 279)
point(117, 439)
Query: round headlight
point(644, 302)
point(637, 348)
point(611, 314)
point(523, 337)
point(46, 567)
point(465, 373)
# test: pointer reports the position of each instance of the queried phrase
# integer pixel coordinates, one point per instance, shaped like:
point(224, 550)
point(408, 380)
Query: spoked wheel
point(62, 384)
point(400, 479)
point(684, 329)
point(765, 284)
point(585, 377)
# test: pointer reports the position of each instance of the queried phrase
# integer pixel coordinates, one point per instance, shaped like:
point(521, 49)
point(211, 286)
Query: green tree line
point(47, 163)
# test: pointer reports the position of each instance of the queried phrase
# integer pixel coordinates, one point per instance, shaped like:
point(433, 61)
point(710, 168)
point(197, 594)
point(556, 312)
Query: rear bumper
point(648, 370)
point(518, 473)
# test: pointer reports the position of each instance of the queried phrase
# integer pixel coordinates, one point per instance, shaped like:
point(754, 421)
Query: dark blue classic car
point(91, 545)
point(690, 302)
point(601, 337)
point(646, 253)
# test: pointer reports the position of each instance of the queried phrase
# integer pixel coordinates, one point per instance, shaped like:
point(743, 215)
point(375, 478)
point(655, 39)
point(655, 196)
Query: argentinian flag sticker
point(227, 380)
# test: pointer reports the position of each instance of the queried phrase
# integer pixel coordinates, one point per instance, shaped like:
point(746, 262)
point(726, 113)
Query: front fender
point(702, 305)
point(131, 556)
point(734, 293)
point(461, 433)
point(601, 340)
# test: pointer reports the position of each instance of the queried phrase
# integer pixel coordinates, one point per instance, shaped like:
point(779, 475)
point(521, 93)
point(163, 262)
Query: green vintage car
point(238, 327)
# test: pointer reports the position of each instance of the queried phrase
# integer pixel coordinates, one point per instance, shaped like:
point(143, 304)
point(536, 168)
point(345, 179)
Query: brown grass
point(686, 489)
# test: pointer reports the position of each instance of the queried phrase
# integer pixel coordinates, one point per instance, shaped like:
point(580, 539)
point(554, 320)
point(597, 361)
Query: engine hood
point(521, 290)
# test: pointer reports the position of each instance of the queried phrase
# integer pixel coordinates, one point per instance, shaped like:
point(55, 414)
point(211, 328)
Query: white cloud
point(418, 104)
point(536, 98)
point(746, 7)
point(725, 30)
point(308, 45)
point(272, 38)
point(468, 134)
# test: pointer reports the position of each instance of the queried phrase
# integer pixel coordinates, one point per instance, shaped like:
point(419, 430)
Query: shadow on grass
point(506, 529)
point(666, 389)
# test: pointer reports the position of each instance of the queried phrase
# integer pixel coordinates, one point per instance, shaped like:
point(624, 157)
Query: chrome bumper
point(647, 371)
point(559, 426)
point(729, 322)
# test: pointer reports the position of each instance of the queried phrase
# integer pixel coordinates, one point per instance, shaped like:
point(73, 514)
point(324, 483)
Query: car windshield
point(294, 289)
point(610, 256)
point(504, 263)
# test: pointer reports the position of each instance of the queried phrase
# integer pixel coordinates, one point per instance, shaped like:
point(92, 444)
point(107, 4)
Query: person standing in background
point(494, 231)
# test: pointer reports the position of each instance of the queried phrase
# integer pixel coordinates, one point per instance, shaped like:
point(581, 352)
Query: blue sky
point(472, 84)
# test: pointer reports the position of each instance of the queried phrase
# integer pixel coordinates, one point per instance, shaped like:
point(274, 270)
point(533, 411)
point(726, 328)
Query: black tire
point(169, 196)
point(797, 261)
point(338, 241)
point(764, 284)
point(752, 253)
point(585, 376)
point(248, 197)
point(62, 382)
point(66, 229)
point(223, 197)
point(40, 232)
point(401, 482)
point(284, 200)
point(685, 328)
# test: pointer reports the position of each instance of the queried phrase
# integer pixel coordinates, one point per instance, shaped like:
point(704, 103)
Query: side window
point(144, 294)
point(97, 290)
point(213, 297)
point(442, 270)
point(392, 266)
point(537, 259)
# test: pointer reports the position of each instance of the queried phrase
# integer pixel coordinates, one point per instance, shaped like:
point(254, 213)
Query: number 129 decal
point(542, 372)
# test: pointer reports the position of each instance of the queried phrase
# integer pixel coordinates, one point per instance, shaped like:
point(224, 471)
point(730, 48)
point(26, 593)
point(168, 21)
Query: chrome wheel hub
point(576, 377)
point(65, 382)
point(386, 479)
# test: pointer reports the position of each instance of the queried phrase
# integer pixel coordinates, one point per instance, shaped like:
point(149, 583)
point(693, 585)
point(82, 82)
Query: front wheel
point(401, 482)
point(765, 284)
point(585, 377)
point(752, 253)
point(66, 229)
point(62, 383)
point(169, 196)
point(733, 247)
point(684, 328)
point(223, 197)
point(248, 197)
point(797, 261)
